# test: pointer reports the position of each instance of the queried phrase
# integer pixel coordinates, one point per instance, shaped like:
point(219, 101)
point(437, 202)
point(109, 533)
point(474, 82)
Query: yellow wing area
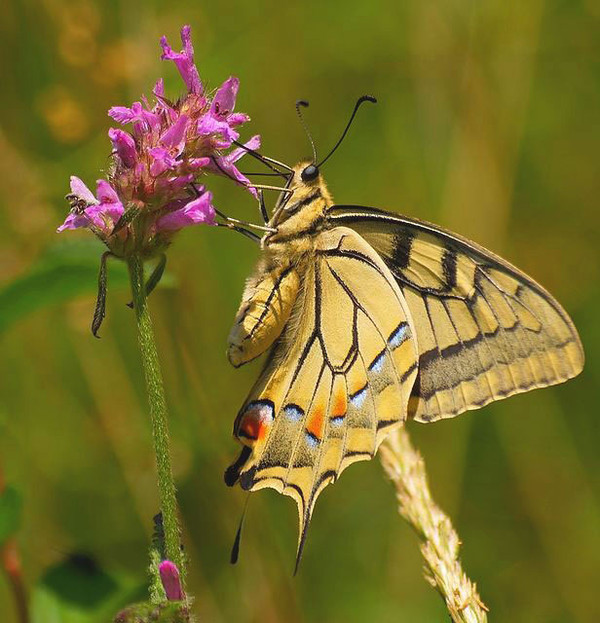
point(338, 379)
point(485, 330)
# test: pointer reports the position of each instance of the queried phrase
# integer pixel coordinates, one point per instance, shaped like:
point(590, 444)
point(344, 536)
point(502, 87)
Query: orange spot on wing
point(340, 405)
point(316, 422)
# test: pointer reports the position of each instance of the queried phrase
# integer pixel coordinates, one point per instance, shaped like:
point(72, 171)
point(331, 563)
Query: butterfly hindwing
point(337, 379)
point(485, 330)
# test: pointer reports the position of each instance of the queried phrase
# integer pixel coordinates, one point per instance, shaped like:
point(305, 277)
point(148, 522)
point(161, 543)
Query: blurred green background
point(487, 123)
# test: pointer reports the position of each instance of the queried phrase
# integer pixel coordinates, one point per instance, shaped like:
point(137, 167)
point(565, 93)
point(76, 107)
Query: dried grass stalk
point(406, 469)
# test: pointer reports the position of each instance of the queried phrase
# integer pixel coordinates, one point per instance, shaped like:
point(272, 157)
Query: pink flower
point(141, 118)
point(184, 61)
point(124, 146)
point(220, 119)
point(194, 212)
point(224, 165)
point(169, 576)
point(159, 162)
point(101, 214)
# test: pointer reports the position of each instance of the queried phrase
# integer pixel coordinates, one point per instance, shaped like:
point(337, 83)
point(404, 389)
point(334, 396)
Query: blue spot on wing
point(293, 412)
point(377, 363)
point(312, 441)
point(358, 398)
point(399, 335)
point(337, 420)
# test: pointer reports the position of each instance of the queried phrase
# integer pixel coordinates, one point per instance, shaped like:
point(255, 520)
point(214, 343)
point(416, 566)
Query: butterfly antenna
point(304, 104)
point(235, 550)
point(359, 102)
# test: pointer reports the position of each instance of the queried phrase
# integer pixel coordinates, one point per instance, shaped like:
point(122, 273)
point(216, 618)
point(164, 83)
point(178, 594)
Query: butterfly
point(369, 319)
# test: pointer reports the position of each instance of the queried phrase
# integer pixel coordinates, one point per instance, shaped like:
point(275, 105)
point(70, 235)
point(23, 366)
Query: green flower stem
point(158, 414)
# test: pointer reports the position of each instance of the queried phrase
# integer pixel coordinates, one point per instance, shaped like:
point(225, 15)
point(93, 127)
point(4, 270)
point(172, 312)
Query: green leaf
point(11, 505)
point(80, 581)
point(78, 590)
point(65, 270)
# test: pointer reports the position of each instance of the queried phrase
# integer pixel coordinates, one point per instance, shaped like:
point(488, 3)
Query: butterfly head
point(301, 208)
point(309, 173)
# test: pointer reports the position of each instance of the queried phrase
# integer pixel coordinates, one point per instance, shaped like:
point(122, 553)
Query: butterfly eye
point(309, 173)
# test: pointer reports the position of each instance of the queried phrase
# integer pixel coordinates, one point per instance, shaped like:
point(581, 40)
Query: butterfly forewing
point(338, 378)
point(484, 329)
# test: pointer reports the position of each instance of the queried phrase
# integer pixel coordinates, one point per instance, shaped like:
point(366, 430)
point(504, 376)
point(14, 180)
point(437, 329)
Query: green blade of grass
point(64, 271)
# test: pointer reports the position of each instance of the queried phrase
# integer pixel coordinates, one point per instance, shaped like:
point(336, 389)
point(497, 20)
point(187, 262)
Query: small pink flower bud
point(169, 576)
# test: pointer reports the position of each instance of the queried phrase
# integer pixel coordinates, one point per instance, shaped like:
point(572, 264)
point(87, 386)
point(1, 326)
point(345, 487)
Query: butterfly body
point(271, 291)
point(371, 318)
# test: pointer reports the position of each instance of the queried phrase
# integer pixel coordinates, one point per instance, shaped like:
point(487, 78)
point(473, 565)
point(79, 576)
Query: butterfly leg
point(262, 207)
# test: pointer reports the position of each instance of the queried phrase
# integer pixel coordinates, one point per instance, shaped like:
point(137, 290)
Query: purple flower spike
point(195, 212)
point(160, 161)
point(169, 576)
point(184, 61)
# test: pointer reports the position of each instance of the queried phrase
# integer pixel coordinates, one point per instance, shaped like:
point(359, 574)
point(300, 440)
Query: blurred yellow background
point(487, 124)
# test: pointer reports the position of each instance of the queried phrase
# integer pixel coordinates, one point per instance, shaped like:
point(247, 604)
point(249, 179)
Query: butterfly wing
point(485, 330)
point(337, 380)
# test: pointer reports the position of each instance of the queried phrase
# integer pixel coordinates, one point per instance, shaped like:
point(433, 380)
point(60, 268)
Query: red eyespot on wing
point(256, 420)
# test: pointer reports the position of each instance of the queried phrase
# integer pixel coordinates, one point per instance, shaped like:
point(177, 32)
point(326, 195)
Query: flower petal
point(161, 161)
point(208, 124)
point(142, 119)
point(237, 118)
point(197, 211)
point(174, 137)
point(124, 145)
point(74, 221)
point(223, 166)
point(79, 189)
point(121, 114)
point(159, 88)
point(174, 184)
point(106, 193)
point(224, 100)
point(236, 154)
point(184, 61)
point(198, 163)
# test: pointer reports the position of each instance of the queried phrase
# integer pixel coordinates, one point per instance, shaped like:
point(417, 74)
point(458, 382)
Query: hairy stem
point(158, 414)
point(439, 542)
